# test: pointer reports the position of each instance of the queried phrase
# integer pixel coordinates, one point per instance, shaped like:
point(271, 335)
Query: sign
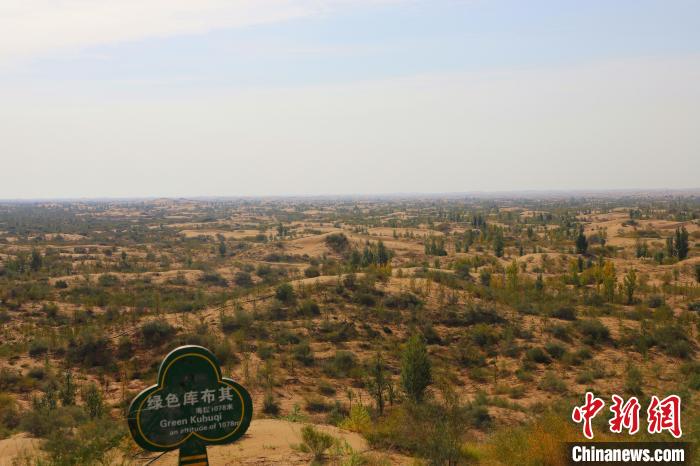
point(190, 407)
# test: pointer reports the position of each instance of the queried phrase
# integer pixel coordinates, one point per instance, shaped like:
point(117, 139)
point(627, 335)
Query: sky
point(184, 98)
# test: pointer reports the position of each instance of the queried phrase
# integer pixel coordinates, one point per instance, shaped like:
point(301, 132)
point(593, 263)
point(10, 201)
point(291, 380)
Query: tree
point(630, 285)
point(66, 392)
point(415, 369)
point(581, 242)
point(36, 261)
point(609, 281)
point(222, 248)
point(285, 293)
point(681, 247)
point(539, 283)
point(512, 275)
point(670, 248)
point(382, 253)
point(498, 245)
point(378, 382)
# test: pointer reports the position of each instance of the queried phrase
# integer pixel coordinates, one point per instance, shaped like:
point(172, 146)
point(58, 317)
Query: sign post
point(191, 406)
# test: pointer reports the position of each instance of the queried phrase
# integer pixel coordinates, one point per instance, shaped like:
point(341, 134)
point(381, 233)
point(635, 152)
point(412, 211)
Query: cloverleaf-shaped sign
point(190, 407)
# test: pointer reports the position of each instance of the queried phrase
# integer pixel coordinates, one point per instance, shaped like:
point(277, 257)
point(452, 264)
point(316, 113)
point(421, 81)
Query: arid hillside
point(403, 331)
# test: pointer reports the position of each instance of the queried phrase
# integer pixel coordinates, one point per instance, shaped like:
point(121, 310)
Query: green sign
point(190, 407)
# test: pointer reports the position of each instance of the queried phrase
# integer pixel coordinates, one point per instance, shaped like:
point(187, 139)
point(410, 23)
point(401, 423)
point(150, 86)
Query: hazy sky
point(107, 98)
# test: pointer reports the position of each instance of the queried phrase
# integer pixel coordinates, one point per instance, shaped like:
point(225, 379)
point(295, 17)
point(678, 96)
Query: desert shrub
point(37, 373)
point(551, 383)
point(90, 349)
point(336, 332)
point(564, 313)
point(309, 308)
point(484, 335)
point(125, 349)
point(561, 332)
point(317, 404)
point(315, 442)
point(326, 389)
point(9, 416)
point(312, 272)
point(157, 332)
point(243, 279)
point(214, 279)
point(634, 381)
point(38, 347)
point(341, 365)
point(536, 443)
point(337, 242)
point(357, 420)
point(695, 306)
point(673, 340)
point(90, 443)
point(405, 300)
point(656, 301)
point(40, 421)
point(469, 355)
point(303, 353)
point(239, 320)
point(285, 293)
point(107, 280)
point(593, 331)
point(432, 431)
point(537, 355)
point(270, 404)
point(555, 350)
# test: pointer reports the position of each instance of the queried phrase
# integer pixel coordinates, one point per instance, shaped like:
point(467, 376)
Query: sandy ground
point(16, 446)
point(267, 442)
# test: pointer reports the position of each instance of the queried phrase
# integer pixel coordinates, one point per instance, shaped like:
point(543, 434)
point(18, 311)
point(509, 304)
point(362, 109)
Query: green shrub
point(90, 349)
point(551, 383)
point(38, 348)
point(315, 442)
point(341, 365)
point(564, 313)
point(303, 353)
point(593, 331)
point(285, 293)
point(537, 355)
point(157, 332)
point(555, 350)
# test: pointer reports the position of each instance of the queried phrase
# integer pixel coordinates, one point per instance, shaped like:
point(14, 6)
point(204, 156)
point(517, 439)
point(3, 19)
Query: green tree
point(415, 369)
point(670, 248)
point(498, 245)
point(382, 253)
point(285, 293)
point(681, 247)
point(630, 285)
point(94, 402)
point(581, 242)
point(36, 260)
point(66, 391)
point(222, 248)
point(378, 382)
